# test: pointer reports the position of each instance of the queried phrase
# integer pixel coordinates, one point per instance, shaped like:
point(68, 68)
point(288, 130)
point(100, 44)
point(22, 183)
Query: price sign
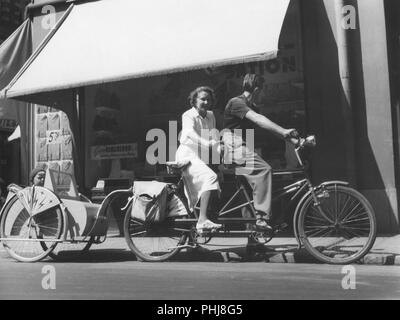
point(54, 137)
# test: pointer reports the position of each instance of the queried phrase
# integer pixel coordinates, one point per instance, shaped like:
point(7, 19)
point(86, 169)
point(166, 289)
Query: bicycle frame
point(297, 188)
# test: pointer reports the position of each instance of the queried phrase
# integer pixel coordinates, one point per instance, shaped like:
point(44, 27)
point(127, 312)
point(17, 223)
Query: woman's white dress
point(198, 177)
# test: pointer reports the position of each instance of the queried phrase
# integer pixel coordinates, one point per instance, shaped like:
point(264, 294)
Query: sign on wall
point(8, 124)
point(114, 151)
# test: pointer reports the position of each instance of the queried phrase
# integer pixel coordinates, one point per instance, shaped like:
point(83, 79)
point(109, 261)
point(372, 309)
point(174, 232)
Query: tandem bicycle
point(334, 222)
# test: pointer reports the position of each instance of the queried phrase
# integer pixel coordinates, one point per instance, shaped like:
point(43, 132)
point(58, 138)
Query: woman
point(198, 136)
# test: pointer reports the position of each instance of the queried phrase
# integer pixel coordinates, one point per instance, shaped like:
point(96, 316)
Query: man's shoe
point(207, 225)
point(262, 225)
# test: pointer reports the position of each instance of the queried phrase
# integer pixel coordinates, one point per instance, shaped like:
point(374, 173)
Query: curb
point(297, 256)
point(381, 259)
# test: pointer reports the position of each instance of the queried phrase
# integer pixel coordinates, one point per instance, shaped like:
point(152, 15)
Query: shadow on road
point(247, 253)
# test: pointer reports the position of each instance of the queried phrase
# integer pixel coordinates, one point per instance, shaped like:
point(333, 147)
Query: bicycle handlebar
point(309, 141)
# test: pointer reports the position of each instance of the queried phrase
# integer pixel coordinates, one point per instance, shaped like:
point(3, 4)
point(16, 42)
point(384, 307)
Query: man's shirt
point(235, 115)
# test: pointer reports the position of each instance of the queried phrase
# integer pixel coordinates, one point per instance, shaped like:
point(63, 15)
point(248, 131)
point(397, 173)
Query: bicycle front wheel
point(341, 229)
point(24, 235)
point(152, 242)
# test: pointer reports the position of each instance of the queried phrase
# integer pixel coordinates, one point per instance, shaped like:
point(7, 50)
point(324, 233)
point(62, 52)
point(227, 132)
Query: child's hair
point(35, 171)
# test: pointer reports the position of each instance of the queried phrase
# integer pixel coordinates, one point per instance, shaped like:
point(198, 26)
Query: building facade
point(336, 77)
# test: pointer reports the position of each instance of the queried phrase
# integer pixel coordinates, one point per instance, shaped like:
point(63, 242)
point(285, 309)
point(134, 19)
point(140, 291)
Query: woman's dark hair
point(193, 95)
point(252, 81)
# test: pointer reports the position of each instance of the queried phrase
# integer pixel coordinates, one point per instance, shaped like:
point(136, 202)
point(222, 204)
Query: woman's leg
point(204, 200)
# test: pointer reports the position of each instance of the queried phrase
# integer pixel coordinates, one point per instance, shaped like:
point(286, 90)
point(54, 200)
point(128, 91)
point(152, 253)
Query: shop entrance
point(9, 158)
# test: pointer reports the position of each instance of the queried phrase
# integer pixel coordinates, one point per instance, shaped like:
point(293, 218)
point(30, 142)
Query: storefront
point(322, 82)
point(11, 16)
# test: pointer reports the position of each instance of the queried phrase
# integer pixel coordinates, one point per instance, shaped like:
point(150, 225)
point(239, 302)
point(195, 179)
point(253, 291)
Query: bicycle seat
point(173, 166)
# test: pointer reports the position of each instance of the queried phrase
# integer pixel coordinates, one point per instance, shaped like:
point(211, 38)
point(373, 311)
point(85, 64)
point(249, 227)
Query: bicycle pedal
point(281, 227)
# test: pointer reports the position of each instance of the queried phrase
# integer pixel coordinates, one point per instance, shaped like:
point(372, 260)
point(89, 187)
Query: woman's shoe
point(262, 225)
point(207, 225)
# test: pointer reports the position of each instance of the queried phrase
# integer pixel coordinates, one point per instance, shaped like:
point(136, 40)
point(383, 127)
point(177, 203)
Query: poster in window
point(54, 152)
point(41, 150)
point(41, 120)
point(55, 167)
point(66, 148)
point(66, 171)
point(65, 124)
point(54, 121)
point(42, 109)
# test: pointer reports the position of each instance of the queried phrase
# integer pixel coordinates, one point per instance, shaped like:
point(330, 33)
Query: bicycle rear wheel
point(341, 229)
point(153, 242)
point(24, 235)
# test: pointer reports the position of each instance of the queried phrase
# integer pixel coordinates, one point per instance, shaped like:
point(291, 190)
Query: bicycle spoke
point(355, 215)
point(347, 205)
point(335, 243)
point(138, 233)
point(325, 208)
point(351, 234)
point(322, 216)
point(314, 233)
point(356, 220)
point(336, 203)
point(349, 215)
point(352, 228)
point(344, 207)
point(317, 218)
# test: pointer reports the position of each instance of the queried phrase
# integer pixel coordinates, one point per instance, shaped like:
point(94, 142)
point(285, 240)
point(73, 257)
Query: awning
point(14, 52)
point(112, 40)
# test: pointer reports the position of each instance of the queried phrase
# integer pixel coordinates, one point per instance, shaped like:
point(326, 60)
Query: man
point(240, 116)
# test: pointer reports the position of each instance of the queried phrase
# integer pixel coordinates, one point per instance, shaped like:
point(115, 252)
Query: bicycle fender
point(304, 198)
point(100, 225)
point(110, 198)
point(130, 199)
point(331, 183)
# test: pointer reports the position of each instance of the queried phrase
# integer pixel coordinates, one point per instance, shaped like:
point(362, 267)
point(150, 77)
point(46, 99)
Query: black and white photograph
point(199, 155)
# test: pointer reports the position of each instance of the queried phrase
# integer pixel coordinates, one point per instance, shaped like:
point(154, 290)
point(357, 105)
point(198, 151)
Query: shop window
point(119, 115)
point(53, 141)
